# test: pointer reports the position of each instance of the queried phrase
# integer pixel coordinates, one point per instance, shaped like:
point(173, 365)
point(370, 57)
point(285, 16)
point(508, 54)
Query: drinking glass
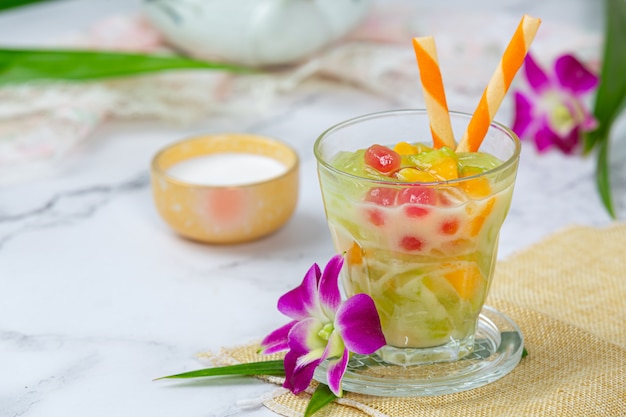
point(424, 252)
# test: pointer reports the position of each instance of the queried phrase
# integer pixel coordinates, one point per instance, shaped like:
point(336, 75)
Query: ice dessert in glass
point(418, 215)
point(419, 225)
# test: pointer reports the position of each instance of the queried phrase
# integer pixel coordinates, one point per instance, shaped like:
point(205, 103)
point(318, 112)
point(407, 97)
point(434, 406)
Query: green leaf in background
point(320, 398)
point(602, 177)
point(9, 4)
point(27, 65)
point(611, 96)
point(274, 368)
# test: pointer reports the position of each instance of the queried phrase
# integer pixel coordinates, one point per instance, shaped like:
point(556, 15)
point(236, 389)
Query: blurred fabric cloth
point(41, 122)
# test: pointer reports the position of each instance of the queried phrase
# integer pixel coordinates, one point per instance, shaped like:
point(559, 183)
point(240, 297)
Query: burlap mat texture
point(568, 296)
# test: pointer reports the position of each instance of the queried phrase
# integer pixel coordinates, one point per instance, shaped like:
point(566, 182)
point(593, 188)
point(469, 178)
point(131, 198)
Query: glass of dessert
point(419, 225)
point(418, 217)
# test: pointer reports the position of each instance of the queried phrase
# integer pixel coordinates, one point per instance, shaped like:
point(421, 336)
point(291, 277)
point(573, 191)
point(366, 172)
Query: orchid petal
point(589, 122)
point(335, 346)
point(523, 114)
point(338, 361)
point(545, 137)
point(306, 352)
point(330, 297)
point(334, 374)
point(359, 325)
point(302, 301)
point(568, 144)
point(573, 76)
point(310, 357)
point(297, 379)
point(303, 337)
point(277, 341)
point(537, 78)
point(583, 119)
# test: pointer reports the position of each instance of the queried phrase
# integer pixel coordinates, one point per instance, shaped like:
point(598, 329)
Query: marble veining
point(66, 207)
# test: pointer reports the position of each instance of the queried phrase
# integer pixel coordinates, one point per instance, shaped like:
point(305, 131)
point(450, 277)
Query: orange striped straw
point(434, 94)
point(499, 84)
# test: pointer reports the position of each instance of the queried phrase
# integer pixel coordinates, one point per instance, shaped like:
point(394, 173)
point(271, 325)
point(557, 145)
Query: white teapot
point(254, 32)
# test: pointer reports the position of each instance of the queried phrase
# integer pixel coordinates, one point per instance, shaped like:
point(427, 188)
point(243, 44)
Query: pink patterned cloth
point(122, 33)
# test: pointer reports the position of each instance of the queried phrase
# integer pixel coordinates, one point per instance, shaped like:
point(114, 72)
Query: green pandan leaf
point(603, 179)
point(27, 65)
point(9, 4)
point(611, 96)
point(274, 368)
point(320, 398)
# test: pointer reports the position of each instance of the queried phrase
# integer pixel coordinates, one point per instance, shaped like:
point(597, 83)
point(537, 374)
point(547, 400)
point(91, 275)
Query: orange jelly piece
point(477, 222)
point(405, 148)
point(445, 168)
point(477, 187)
point(354, 256)
point(415, 175)
point(466, 281)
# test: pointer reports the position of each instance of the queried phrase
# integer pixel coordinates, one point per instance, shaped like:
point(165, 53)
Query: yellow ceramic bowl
point(225, 214)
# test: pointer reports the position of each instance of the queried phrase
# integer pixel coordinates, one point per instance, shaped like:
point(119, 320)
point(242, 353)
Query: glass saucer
point(497, 350)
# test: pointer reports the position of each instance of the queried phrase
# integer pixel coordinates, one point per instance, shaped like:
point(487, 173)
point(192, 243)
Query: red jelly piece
point(381, 196)
point(416, 211)
point(411, 243)
point(382, 159)
point(417, 195)
point(450, 226)
point(376, 217)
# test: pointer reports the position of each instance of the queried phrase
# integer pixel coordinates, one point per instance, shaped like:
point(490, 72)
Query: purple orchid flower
point(323, 328)
point(553, 113)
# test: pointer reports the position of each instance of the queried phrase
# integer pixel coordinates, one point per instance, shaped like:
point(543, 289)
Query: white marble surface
point(98, 296)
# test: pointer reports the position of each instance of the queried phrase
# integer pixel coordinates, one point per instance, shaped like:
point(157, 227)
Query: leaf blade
point(320, 398)
point(9, 4)
point(273, 368)
point(603, 178)
point(611, 95)
point(26, 65)
point(524, 353)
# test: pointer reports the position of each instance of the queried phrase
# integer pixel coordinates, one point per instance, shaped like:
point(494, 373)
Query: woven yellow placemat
point(577, 276)
point(568, 295)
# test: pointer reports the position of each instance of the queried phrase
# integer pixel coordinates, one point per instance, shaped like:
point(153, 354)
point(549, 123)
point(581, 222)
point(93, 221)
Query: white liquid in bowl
point(223, 169)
